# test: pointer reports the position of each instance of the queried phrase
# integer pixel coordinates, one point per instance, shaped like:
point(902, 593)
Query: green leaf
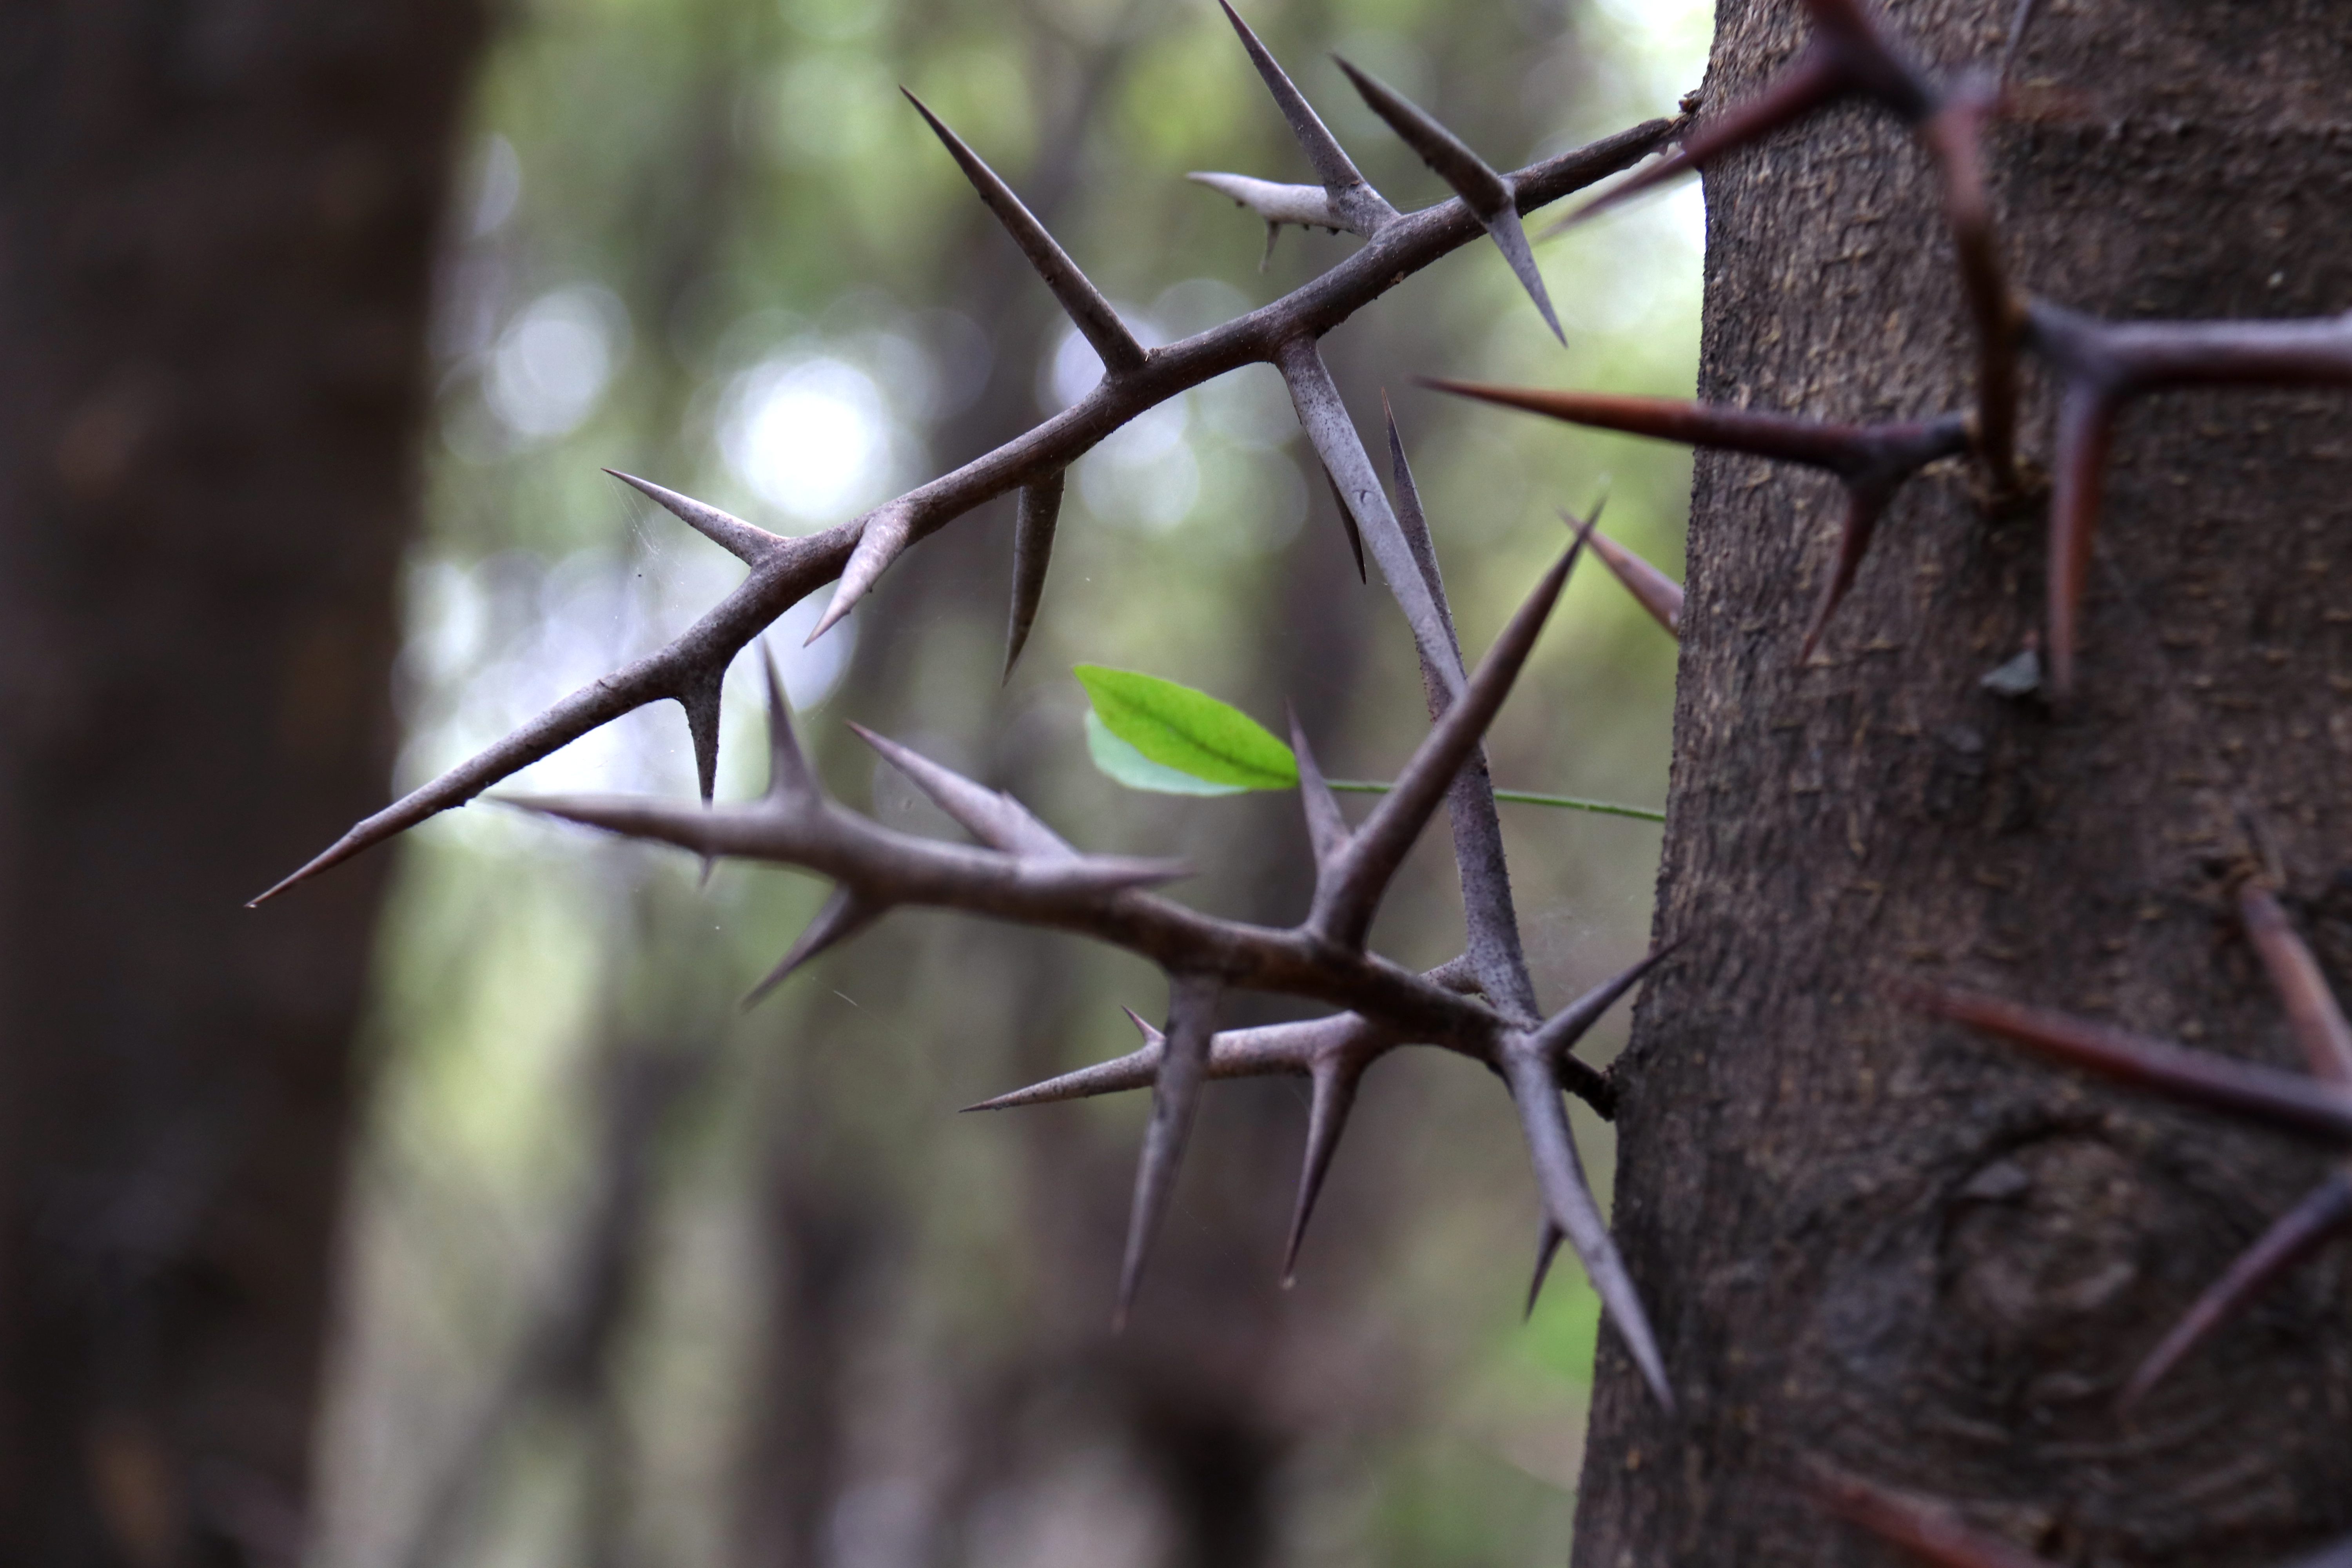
point(1135, 771)
point(1187, 731)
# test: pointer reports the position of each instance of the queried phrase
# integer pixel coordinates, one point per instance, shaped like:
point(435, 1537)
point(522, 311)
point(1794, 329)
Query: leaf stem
point(1525, 797)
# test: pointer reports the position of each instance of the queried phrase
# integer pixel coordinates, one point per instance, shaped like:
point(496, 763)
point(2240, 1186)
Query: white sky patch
point(552, 364)
point(812, 434)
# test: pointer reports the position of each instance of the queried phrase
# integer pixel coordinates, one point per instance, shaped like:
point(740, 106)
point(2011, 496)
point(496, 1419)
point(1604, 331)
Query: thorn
point(1077, 295)
point(1547, 1248)
point(1175, 1095)
point(1151, 1036)
point(1033, 553)
point(994, 817)
point(1350, 196)
point(700, 697)
point(1335, 1081)
point(1131, 1071)
point(2324, 1212)
point(1347, 522)
point(1487, 194)
point(884, 537)
point(1309, 206)
point(845, 914)
point(740, 539)
point(1325, 417)
point(2086, 430)
point(1327, 830)
point(1414, 521)
point(1344, 901)
point(2290, 1103)
point(2318, 1023)
point(1568, 1201)
point(788, 772)
point(1865, 504)
point(1652, 589)
point(1265, 257)
point(1562, 1031)
point(1935, 1535)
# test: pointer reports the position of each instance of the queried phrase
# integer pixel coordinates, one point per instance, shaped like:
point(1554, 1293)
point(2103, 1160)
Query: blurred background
point(625, 1275)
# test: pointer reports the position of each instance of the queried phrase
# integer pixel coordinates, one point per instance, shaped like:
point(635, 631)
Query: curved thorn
point(882, 540)
point(788, 771)
point(2293, 1104)
point(747, 543)
point(1335, 1081)
point(1560, 1176)
point(1562, 1031)
point(1652, 589)
point(2324, 1212)
point(845, 914)
point(1865, 504)
point(1547, 1242)
point(1349, 191)
point(1325, 419)
point(1077, 295)
point(994, 817)
point(1344, 902)
point(2318, 1023)
point(1033, 553)
point(1175, 1095)
point(1327, 830)
point(2085, 431)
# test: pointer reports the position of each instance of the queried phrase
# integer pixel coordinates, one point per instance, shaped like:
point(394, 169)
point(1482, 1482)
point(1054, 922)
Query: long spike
point(1325, 418)
point(1841, 449)
point(2284, 1100)
point(1326, 828)
point(1344, 903)
point(1080, 299)
point(1131, 1071)
point(788, 771)
point(1560, 1176)
point(747, 543)
point(2086, 430)
point(1347, 522)
point(1488, 194)
point(1335, 1081)
point(845, 914)
point(1308, 206)
point(2324, 1214)
point(1350, 193)
point(1564, 1028)
point(1652, 589)
point(994, 817)
point(1175, 1096)
point(1413, 521)
point(1033, 553)
point(2318, 1023)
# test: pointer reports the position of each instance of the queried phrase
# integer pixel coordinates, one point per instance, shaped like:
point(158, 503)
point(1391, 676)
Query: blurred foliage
point(707, 241)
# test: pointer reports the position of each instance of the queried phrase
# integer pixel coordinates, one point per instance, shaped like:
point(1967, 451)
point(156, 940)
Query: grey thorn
point(1327, 830)
point(1325, 418)
point(994, 817)
point(1078, 296)
point(1175, 1096)
point(1033, 553)
point(1350, 193)
point(1568, 1200)
point(1652, 589)
point(1344, 903)
point(1564, 1028)
point(1131, 1071)
point(1488, 194)
point(789, 778)
point(845, 914)
point(1308, 206)
point(1347, 522)
point(700, 696)
point(747, 543)
point(883, 536)
point(1547, 1248)
point(1335, 1078)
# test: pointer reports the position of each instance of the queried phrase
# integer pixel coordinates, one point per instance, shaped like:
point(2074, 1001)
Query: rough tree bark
point(1877, 1239)
point(216, 226)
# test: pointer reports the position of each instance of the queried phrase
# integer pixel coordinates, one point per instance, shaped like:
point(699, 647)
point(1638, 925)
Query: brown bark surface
point(1877, 1239)
point(216, 227)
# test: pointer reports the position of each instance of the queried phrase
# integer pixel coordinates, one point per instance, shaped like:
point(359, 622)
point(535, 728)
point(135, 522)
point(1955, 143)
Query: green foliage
point(1185, 731)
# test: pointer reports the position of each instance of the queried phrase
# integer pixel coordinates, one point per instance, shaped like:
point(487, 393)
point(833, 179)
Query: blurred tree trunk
point(1959, 1254)
point(216, 237)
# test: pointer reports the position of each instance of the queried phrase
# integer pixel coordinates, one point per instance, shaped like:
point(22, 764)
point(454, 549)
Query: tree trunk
point(1873, 1239)
point(216, 226)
